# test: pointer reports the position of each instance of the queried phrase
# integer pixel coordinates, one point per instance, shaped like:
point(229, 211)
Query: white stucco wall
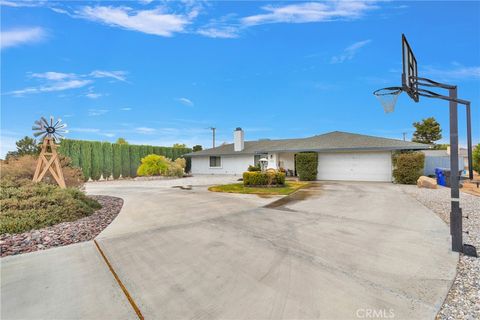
point(236, 164)
point(286, 160)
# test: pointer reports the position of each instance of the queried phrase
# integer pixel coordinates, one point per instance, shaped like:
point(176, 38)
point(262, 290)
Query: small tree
point(197, 147)
point(86, 159)
point(125, 156)
point(107, 159)
point(121, 141)
point(117, 160)
point(25, 146)
point(97, 160)
point(427, 131)
point(476, 158)
point(179, 145)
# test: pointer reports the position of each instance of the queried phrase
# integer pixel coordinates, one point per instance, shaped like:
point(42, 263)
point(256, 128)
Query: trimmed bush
point(134, 160)
point(107, 160)
point(307, 164)
point(27, 205)
point(254, 168)
point(267, 179)
point(117, 161)
point(476, 158)
point(97, 160)
point(408, 167)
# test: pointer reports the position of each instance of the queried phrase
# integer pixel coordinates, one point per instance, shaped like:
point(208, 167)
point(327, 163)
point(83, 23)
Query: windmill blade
point(57, 123)
point(36, 134)
point(37, 128)
point(63, 125)
point(42, 137)
point(38, 123)
point(45, 122)
point(51, 121)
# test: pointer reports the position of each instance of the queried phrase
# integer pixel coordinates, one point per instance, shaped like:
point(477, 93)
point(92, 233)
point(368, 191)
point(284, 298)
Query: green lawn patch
point(290, 186)
point(26, 205)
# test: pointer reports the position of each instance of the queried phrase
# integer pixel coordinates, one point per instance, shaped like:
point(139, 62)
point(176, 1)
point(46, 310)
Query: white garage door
point(359, 166)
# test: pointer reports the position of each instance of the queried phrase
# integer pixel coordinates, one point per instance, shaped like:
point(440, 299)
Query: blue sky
point(164, 72)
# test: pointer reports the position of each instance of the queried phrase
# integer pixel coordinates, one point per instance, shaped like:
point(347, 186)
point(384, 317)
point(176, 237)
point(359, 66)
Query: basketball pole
point(456, 211)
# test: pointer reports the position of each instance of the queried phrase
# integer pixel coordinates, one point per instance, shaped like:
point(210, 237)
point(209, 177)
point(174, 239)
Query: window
point(257, 157)
point(215, 162)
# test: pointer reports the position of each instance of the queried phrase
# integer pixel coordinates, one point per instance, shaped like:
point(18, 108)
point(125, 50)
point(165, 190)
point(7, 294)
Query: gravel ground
point(64, 233)
point(463, 299)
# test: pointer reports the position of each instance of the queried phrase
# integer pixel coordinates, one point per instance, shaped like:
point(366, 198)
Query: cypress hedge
point(86, 158)
point(111, 159)
point(117, 161)
point(107, 149)
point(307, 164)
point(97, 160)
point(125, 154)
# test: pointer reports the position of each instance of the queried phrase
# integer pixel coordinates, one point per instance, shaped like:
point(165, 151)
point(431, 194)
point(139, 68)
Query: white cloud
point(56, 86)
point(118, 75)
point(145, 130)
point(59, 81)
point(186, 102)
point(18, 4)
point(16, 37)
point(155, 21)
point(457, 72)
point(108, 134)
point(219, 32)
point(310, 12)
point(97, 112)
point(52, 75)
point(85, 130)
point(350, 52)
point(126, 109)
point(93, 95)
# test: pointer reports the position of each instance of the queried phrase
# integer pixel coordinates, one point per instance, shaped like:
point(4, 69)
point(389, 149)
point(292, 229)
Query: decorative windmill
point(50, 133)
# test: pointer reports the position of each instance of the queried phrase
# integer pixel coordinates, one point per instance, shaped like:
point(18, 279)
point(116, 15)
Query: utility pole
point(404, 136)
point(213, 136)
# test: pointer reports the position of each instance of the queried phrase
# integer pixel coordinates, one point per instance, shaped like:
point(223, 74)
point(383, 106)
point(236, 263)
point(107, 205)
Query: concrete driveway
point(335, 251)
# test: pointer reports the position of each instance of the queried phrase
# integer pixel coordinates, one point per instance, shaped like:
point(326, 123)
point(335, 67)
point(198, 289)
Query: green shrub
point(107, 159)
point(117, 160)
point(134, 159)
point(125, 154)
point(153, 165)
point(269, 178)
point(27, 205)
point(254, 168)
point(476, 158)
point(97, 160)
point(307, 164)
point(408, 167)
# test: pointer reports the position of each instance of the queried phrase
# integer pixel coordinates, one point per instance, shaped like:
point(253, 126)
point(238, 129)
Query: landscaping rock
point(64, 233)
point(426, 182)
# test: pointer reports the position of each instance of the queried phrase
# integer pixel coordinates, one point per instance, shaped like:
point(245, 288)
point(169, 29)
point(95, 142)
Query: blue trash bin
point(440, 177)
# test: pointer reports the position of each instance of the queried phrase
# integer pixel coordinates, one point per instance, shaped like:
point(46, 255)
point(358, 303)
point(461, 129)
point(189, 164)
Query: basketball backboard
point(409, 72)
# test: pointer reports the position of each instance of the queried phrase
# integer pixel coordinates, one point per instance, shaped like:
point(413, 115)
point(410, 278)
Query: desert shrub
point(408, 167)
point(107, 169)
point(254, 168)
point(307, 164)
point(269, 178)
point(153, 165)
point(27, 205)
point(24, 168)
point(117, 161)
point(97, 160)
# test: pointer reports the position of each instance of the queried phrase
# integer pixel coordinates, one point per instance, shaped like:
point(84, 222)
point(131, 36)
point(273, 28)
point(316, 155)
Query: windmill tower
point(50, 134)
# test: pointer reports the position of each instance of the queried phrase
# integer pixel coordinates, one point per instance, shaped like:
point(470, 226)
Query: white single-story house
point(441, 159)
point(341, 155)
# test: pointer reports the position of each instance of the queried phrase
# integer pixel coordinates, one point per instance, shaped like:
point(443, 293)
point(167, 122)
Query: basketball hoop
point(388, 97)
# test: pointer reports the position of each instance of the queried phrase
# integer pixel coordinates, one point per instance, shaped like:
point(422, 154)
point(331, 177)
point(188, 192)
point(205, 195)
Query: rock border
point(64, 233)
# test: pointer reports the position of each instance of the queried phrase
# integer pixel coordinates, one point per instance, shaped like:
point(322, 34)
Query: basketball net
point(388, 98)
